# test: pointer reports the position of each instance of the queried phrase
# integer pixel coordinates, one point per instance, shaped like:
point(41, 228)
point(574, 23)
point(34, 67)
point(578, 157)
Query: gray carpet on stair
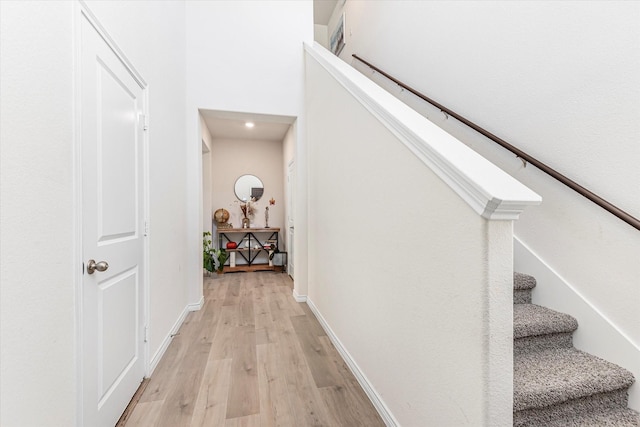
point(542, 342)
point(522, 286)
point(553, 376)
point(531, 319)
point(616, 418)
point(580, 409)
point(556, 385)
point(523, 281)
point(537, 328)
point(522, 296)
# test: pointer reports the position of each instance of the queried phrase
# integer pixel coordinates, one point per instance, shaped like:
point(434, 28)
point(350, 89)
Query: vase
point(245, 223)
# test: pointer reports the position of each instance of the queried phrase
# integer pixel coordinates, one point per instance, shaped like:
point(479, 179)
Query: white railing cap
point(489, 190)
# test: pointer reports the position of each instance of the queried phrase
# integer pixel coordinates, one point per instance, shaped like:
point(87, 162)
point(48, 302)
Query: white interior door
point(112, 231)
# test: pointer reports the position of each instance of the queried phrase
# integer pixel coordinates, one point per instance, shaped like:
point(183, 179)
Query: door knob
point(92, 266)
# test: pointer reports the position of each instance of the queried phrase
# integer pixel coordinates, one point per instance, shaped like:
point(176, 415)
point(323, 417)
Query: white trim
point(375, 398)
point(195, 279)
point(491, 192)
point(77, 261)
point(91, 18)
point(596, 333)
point(167, 340)
point(146, 188)
point(196, 305)
point(205, 147)
point(297, 297)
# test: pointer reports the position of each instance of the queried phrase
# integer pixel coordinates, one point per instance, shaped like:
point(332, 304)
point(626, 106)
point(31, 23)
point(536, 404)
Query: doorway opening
point(262, 147)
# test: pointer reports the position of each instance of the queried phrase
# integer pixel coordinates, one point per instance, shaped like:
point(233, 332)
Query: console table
point(252, 242)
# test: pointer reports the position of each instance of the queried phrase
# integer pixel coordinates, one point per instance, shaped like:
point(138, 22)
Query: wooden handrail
point(629, 219)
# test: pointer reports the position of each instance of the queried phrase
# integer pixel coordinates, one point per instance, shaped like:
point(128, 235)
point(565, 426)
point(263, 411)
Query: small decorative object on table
point(247, 212)
point(266, 217)
point(272, 202)
point(221, 217)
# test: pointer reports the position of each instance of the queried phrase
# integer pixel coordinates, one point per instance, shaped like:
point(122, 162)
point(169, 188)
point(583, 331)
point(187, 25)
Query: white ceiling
point(322, 10)
point(231, 125)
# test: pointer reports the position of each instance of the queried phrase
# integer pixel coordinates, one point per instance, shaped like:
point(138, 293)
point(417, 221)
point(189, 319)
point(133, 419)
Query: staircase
point(555, 384)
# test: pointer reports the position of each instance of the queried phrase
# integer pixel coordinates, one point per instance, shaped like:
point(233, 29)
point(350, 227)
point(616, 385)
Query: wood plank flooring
point(252, 356)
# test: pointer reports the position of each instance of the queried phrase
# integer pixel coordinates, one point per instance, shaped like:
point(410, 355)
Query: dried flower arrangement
point(248, 210)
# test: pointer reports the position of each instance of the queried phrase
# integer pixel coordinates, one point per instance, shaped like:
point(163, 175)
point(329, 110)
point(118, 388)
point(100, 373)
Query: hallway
point(252, 356)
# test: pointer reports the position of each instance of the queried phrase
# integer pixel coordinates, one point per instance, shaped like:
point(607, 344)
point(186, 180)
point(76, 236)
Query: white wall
point(207, 182)
point(37, 307)
point(246, 59)
point(38, 277)
point(232, 158)
point(561, 80)
point(320, 35)
point(399, 254)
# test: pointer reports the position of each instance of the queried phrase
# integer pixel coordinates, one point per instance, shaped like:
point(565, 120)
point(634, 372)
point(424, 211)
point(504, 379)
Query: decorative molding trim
point(368, 388)
point(196, 305)
point(167, 340)
point(299, 298)
point(91, 18)
point(597, 334)
point(491, 192)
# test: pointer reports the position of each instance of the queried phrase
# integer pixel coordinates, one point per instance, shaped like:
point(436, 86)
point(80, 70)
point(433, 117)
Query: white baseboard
point(299, 298)
point(596, 333)
point(375, 398)
point(167, 340)
point(196, 306)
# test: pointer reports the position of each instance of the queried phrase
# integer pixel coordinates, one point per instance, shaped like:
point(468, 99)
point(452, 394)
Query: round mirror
point(248, 187)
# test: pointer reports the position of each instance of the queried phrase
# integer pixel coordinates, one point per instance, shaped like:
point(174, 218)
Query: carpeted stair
point(555, 384)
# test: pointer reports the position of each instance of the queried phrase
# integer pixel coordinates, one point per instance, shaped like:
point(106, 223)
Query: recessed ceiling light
point(249, 124)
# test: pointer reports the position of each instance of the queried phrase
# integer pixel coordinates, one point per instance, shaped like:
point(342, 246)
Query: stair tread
point(523, 281)
point(623, 417)
point(552, 376)
point(531, 320)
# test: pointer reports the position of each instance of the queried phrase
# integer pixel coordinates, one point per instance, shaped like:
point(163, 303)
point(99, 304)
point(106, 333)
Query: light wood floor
point(252, 356)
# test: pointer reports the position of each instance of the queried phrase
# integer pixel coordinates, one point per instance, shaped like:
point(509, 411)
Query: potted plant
point(220, 257)
point(212, 259)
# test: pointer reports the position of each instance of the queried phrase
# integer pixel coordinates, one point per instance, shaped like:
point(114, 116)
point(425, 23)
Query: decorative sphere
point(221, 216)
